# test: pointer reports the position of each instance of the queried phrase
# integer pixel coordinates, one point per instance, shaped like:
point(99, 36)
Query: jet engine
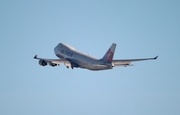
point(52, 64)
point(42, 62)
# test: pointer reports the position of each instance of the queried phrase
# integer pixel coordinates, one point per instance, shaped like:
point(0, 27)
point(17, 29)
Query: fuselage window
point(62, 51)
point(68, 53)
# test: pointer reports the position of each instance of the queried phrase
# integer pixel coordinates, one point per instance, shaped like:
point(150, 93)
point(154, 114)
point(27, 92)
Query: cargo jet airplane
point(76, 59)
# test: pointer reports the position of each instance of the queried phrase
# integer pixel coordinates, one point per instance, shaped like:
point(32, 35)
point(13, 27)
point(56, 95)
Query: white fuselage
point(79, 59)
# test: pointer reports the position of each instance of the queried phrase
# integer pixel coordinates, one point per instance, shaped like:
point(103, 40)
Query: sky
point(140, 28)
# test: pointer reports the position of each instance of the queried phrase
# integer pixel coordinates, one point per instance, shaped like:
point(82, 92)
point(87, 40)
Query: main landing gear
point(71, 67)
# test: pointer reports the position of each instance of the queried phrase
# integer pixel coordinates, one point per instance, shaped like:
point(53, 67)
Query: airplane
point(76, 59)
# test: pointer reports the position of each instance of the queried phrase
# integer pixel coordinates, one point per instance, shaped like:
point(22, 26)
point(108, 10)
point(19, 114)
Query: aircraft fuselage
point(79, 59)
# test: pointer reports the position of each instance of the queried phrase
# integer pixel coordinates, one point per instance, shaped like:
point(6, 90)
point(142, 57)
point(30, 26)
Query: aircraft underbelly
point(85, 62)
point(91, 66)
point(98, 67)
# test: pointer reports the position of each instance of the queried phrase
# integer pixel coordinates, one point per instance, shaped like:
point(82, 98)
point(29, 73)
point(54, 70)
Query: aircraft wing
point(127, 62)
point(55, 61)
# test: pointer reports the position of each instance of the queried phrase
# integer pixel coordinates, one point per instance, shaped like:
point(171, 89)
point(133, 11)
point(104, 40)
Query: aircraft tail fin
point(108, 57)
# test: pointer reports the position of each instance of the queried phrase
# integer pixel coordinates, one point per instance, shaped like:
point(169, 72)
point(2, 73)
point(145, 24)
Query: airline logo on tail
point(108, 57)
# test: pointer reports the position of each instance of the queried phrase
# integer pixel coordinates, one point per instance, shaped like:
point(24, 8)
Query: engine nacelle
point(52, 64)
point(42, 62)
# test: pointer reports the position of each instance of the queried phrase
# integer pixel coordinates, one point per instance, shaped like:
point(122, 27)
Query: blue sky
point(140, 29)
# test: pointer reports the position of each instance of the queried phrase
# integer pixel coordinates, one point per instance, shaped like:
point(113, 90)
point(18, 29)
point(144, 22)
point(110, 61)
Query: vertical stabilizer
point(108, 57)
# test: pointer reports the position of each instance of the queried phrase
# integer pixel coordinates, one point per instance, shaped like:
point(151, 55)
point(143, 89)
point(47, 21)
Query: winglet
point(156, 57)
point(35, 56)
